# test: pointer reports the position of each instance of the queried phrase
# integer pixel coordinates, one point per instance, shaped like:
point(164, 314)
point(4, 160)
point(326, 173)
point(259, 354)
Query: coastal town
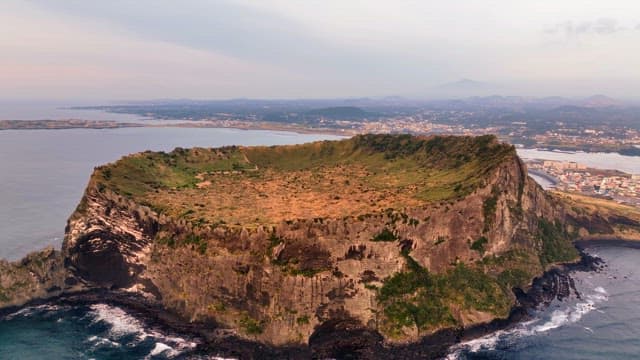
point(576, 177)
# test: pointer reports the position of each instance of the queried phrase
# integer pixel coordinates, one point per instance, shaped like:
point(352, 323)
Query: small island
point(363, 247)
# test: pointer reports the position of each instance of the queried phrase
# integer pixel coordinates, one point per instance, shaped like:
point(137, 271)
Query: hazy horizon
point(120, 50)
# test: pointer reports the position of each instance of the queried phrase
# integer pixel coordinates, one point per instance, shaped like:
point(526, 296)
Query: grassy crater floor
point(266, 185)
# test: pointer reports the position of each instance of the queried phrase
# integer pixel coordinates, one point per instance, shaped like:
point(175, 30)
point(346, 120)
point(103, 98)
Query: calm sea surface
point(43, 174)
point(615, 161)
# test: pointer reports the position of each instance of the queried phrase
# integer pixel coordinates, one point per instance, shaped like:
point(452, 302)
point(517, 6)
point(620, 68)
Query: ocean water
point(604, 323)
point(613, 161)
point(87, 332)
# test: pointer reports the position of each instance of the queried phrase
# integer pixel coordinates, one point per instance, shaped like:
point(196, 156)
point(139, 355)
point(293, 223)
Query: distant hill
point(343, 112)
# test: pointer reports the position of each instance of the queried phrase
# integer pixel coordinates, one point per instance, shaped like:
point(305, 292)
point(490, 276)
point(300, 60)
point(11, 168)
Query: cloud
point(250, 33)
point(232, 29)
point(602, 26)
point(281, 48)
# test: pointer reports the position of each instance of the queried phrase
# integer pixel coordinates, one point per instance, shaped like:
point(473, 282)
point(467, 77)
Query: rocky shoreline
point(321, 283)
point(340, 339)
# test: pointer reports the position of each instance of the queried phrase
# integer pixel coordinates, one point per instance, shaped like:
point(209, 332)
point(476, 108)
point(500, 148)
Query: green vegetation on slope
point(514, 268)
point(146, 172)
point(479, 244)
point(251, 326)
point(489, 209)
point(416, 299)
point(556, 243)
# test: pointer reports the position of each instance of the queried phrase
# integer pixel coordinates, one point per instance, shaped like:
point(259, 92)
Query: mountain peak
point(465, 87)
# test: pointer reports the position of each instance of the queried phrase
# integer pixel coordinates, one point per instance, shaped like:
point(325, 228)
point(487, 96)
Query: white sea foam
point(98, 341)
point(120, 322)
point(569, 315)
point(28, 311)
point(163, 349)
point(123, 324)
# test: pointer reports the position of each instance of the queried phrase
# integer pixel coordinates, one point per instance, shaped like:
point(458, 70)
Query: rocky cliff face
point(276, 284)
point(39, 275)
point(403, 272)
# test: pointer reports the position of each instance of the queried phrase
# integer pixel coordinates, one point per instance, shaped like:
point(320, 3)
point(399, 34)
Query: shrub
point(556, 243)
point(251, 326)
point(385, 235)
point(489, 209)
point(302, 320)
point(479, 244)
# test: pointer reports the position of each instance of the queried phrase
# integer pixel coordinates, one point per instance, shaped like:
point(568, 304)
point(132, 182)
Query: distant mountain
point(523, 102)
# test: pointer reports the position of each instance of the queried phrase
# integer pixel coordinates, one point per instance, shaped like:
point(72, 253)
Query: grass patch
point(302, 320)
point(168, 241)
point(197, 243)
point(146, 172)
point(251, 326)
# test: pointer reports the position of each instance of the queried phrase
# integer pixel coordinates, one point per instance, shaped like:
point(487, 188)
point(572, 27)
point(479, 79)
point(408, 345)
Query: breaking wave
point(35, 310)
point(503, 339)
point(123, 327)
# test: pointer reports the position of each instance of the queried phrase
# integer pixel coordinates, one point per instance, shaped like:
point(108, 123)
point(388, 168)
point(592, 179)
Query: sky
point(208, 49)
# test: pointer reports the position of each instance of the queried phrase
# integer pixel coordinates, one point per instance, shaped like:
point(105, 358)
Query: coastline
point(346, 338)
point(46, 124)
point(94, 124)
point(265, 126)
